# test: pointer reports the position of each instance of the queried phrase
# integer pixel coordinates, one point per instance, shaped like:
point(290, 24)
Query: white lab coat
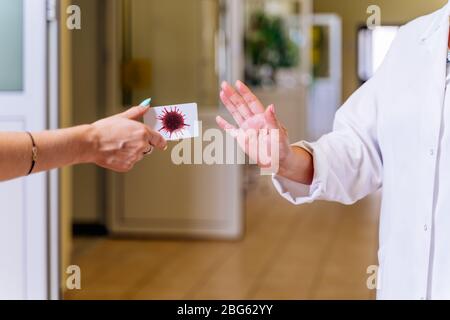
point(387, 135)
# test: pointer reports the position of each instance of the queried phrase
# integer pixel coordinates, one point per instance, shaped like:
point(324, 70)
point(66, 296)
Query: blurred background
point(219, 232)
point(193, 231)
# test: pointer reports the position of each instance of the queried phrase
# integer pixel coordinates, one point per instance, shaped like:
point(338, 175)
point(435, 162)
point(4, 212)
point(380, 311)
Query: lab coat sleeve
point(347, 162)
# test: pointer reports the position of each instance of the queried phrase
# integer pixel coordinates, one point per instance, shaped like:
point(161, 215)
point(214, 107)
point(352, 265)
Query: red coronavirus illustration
point(173, 121)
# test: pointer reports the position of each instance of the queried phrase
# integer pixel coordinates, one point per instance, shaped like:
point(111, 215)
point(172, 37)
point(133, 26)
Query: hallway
point(318, 251)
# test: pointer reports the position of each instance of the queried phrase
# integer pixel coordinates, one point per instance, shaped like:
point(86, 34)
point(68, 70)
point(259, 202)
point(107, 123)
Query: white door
point(24, 203)
point(159, 198)
point(326, 91)
point(290, 92)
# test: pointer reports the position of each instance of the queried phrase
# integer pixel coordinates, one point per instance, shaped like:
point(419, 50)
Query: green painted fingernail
point(146, 102)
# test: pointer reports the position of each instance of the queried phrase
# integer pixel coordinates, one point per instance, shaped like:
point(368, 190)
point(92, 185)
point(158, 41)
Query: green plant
point(268, 44)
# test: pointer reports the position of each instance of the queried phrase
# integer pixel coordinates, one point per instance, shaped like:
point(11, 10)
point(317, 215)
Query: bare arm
point(298, 166)
point(55, 149)
point(116, 143)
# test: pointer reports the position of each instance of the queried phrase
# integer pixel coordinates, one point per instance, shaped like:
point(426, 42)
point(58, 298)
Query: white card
point(174, 122)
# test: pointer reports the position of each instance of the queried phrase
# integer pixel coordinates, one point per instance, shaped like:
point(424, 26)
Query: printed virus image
point(173, 121)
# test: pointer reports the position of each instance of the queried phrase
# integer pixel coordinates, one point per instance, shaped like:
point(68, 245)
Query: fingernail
point(224, 84)
point(146, 103)
point(272, 108)
point(166, 147)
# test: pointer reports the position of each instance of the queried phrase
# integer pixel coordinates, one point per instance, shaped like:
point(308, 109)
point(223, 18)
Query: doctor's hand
point(120, 141)
point(254, 120)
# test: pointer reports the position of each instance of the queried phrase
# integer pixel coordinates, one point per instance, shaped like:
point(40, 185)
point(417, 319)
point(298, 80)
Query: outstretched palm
point(255, 123)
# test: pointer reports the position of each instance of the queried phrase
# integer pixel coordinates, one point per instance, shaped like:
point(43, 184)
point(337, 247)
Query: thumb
point(271, 117)
point(135, 113)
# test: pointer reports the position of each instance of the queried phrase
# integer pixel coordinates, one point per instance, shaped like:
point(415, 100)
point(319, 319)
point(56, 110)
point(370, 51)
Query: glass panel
point(11, 42)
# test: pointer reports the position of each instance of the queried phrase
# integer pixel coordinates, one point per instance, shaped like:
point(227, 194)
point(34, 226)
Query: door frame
point(230, 229)
point(35, 108)
point(53, 123)
point(321, 115)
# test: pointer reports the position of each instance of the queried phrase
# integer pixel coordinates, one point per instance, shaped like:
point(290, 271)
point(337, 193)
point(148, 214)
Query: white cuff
point(298, 193)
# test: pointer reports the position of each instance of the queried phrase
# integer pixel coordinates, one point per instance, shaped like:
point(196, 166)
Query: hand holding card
point(174, 122)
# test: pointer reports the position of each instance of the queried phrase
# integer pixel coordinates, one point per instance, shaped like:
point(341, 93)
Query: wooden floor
point(318, 251)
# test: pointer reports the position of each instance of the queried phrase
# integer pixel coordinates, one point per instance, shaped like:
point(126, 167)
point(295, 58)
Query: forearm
point(298, 166)
point(55, 149)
